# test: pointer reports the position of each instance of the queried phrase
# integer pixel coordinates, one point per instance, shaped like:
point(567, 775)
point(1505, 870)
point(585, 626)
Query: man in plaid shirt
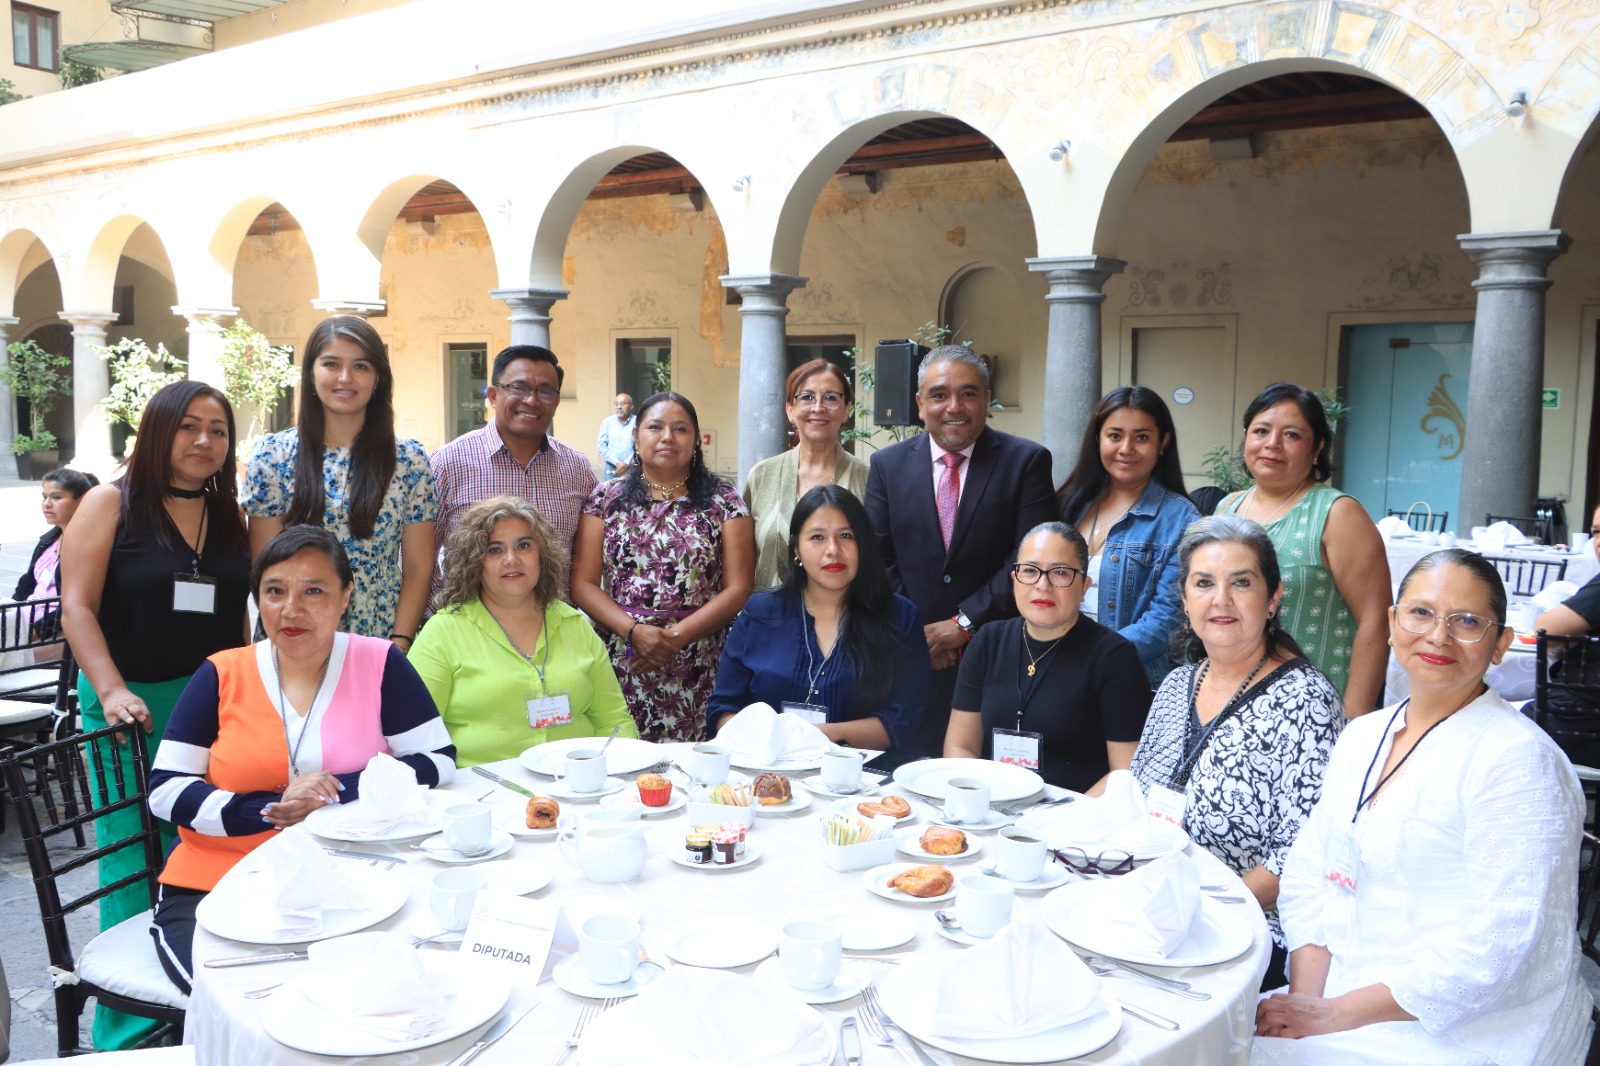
point(515, 454)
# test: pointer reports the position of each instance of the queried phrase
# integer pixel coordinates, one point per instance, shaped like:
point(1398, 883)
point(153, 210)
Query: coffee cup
point(586, 770)
point(841, 769)
point(983, 904)
point(1447, 539)
point(708, 764)
point(810, 954)
point(608, 948)
point(468, 828)
point(1018, 855)
point(1430, 538)
point(454, 893)
point(966, 800)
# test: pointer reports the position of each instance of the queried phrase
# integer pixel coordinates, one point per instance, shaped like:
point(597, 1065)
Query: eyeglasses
point(1061, 577)
point(1464, 628)
point(1110, 863)
point(831, 401)
point(518, 391)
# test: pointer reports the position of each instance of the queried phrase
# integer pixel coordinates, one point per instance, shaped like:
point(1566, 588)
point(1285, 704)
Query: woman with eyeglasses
point(341, 467)
point(1052, 690)
point(1430, 903)
point(818, 405)
point(1239, 735)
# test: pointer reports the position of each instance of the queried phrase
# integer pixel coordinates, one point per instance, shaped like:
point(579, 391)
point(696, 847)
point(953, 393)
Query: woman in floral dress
point(664, 560)
point(354, 478)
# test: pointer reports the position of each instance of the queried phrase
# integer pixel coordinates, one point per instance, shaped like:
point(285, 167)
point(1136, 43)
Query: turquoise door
point(1407, 389)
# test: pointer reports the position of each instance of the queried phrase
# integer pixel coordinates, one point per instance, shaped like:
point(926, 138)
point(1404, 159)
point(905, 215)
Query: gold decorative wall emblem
point(1442, 406)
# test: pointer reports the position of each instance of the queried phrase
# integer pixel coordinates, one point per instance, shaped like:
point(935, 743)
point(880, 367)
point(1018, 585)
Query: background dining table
point(1404, 551)
point(788, 880)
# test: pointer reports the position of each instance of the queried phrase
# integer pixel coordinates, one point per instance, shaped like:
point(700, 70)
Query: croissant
point(542, 813)
point(924, 881)
point(941, 841)
point(893, 806)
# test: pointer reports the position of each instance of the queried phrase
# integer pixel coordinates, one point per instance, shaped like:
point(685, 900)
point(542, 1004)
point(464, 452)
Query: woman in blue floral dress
point(372, 491)
point(664, 560)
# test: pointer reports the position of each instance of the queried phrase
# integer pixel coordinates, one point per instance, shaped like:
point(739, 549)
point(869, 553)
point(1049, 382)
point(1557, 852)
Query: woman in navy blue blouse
point(832, 643)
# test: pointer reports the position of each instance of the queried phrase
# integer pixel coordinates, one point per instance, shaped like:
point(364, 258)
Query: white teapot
point(606, 852)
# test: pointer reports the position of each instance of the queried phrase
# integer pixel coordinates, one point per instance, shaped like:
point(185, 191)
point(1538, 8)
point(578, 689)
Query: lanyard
point(283, 709)
point(199, 539)
point(1193, 749)
point(544, 624)
point(813, 671)
point(1363, 798)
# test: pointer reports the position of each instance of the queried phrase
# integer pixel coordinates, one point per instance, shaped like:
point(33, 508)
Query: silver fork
point(869, 1025)
point(886, 1025)
point(1016, 810)
point(590, 1012)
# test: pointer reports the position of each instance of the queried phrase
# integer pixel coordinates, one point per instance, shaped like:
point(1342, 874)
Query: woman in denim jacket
point(1126, 496)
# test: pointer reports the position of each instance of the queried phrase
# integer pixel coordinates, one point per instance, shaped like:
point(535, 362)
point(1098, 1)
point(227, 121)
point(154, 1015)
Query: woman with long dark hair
point(833, 642)
point(1126, 496)
point(156, 575)
point(60, 492)
point(341, 467)
point(663, 561)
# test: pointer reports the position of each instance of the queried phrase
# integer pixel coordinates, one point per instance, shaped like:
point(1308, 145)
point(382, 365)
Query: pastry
point(542, 813)
point(941, 841)
point(772, 790)
point(924, 882)
point(893, 806)
point(654, 790)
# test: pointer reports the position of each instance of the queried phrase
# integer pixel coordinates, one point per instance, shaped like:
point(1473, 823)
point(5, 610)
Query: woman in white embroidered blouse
point(1430, 902)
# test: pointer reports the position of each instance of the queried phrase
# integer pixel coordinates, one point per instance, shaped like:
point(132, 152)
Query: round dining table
point(789, 880)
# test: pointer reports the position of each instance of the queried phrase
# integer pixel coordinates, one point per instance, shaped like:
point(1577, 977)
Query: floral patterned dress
point(269, 485)
point(659, 562)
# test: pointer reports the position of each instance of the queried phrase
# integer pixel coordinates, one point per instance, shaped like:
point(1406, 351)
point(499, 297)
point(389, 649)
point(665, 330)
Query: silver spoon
point(614, 731)
point(947, 919)
point(262, 993)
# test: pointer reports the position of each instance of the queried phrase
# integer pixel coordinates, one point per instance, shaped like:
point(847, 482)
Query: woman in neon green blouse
point(508, 663)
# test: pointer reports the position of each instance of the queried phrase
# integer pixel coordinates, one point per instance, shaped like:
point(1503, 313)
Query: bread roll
point(772, 790)
point(939, 840)
point(542, 813)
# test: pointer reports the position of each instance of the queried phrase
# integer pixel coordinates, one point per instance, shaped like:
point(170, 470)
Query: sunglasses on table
point(1108, 863)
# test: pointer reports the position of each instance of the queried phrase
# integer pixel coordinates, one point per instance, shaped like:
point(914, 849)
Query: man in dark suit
point(949, 507)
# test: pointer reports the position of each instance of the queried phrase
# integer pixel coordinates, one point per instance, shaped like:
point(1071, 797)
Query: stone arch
point(89, 287)
point(1570, 101)
point(15, 248)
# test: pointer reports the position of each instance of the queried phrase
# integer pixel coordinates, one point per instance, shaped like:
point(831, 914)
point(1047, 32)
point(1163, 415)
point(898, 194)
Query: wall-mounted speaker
point(895, 383)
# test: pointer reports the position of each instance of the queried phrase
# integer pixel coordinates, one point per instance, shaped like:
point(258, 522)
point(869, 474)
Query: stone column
point(8, 404)
point(1072, 350)
point(762, 366)
point(91, 383)
point(530, 313)
point(1500, 456)
point(205, 341)
point(359, 308)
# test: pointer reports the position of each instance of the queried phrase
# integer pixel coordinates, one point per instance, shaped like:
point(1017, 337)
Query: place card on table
point(514, 936)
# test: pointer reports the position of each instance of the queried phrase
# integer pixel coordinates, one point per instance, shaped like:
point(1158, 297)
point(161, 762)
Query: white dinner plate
point(848, 807)
point(329, 822)
point(1054, 876)
point(853, 978)
point(751, 854)
point(876, 881)
point(625, 756)
point(909, 842)
point(514, 820)
point(1007, 783)
point(294, 1017)
point(722, 942)
point(230, 911)
point(619, 1042)
point(869, 787)
point(866, 928)
point(1073, 912)
point(569, 977)
point(560, 791)
point(499, 843)
point(630, 796)
point(908, 997)
point(1148, 840)
point(799, 799)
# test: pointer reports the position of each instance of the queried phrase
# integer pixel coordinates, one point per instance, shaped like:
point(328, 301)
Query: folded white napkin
point(760, 736)
point(288, 882)
point(389, 795)
point(1154, 908)
point(1094, 820)
point(1022, 982)
point(377, 983)
point(1497, 537)
point(1554, 595)
point(1390, 525)
point(690, 1016)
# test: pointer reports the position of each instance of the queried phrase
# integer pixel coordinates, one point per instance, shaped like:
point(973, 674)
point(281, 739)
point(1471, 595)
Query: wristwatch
point(967, 625)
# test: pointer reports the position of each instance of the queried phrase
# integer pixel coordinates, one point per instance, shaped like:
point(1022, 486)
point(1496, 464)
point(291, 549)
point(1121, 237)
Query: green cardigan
point(771, 491)
point(481, 685)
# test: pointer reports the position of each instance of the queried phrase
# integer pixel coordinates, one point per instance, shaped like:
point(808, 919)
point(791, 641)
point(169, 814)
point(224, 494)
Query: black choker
point(186, 494)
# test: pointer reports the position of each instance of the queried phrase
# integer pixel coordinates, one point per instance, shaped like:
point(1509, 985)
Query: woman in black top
point(1052, 690)
point(157, 572)
point(60, 493)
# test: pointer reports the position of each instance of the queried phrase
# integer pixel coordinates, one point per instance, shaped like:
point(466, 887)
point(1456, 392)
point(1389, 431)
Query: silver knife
point(850, 1040)
point(502, 782)
point(371, 856)
point(511, 1017)
point(251, 960)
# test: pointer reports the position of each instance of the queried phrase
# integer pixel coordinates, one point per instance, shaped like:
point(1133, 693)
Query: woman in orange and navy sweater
point(264, 735)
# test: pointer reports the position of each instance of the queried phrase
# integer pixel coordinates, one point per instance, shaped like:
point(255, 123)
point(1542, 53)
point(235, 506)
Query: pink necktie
point(949, 494)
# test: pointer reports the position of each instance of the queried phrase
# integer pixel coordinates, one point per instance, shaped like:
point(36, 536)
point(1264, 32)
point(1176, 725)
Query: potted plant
point(33, 374)
point(137, 374)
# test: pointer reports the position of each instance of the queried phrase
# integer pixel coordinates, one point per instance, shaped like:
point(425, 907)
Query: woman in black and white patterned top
point(1243, 730)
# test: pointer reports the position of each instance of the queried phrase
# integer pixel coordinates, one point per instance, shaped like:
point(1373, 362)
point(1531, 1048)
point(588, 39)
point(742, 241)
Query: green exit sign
point(1552, 399)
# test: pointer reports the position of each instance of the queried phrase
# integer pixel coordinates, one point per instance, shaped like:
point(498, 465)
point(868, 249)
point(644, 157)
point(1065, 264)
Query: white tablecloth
point(789, 879)
point(1404, 553)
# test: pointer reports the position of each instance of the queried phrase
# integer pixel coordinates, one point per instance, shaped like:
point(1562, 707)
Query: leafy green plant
point(39, 377)
point(931, 335)
point(8, 92)
point(137, 374)
point(255, 373)
point(74, 74)
point(661, 375)
point(1225, 465)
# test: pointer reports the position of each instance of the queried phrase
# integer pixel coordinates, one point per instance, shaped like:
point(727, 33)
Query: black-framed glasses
point(830, 400)
point(1061, 577)
point(518, 391)
point(1463, 628)
point(1109, 863)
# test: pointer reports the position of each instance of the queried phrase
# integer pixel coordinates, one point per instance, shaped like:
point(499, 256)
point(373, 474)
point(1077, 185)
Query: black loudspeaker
point(895, 383)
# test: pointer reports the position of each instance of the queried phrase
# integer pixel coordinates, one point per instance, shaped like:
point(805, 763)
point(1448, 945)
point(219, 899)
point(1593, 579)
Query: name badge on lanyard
point(1166, 805)
point(1342, 863)
point(549, 711)
point(1017, 747)
point(193, 594)
point(815, 713)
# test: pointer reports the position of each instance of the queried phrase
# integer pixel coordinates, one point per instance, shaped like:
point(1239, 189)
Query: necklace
point(1205, 668)
point(1094, 525)
point(665, 490)
point(283, 709)
point(1292, 497)
point(186, 494)
point(813, 672)
point(1033, 663)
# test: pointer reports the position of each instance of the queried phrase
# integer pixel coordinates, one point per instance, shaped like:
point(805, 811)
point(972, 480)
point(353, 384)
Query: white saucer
point(560, 791)
point(815, 785)
point(992, 820)
point(679, 800)
point(848, 806)
point(959, 936)
point(514, 820)
point(722, 943)
point(499, 843)
point(1053, 876)
point(569, 977)
point(517, 877)
point(866, 928)
point(751, 854)
point(853, 978)
point(423, 924)
point(909, 842)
